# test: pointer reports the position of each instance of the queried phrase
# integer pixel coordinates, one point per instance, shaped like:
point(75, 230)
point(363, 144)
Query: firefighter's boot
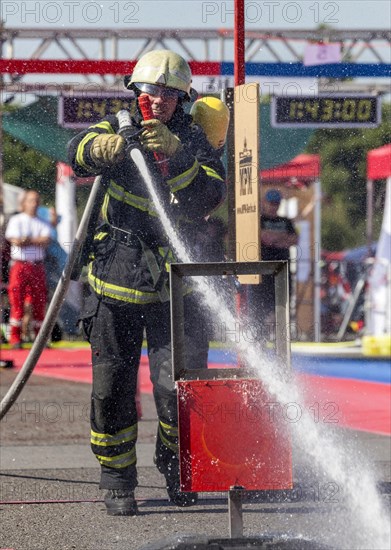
point(120, 502)
point(171, 473)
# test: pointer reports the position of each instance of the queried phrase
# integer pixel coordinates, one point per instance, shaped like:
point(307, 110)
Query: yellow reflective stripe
point(211, 173)
point(107, 440)
point(170, 255)
point(172, 431)
point(118, 192)
point(81, 148)
point(105, 206)
point(170, 258)
point(119, 461)
point(105, 125)
point(167, 443)
point(124, 294)
point(184, 179)
point(100, 236)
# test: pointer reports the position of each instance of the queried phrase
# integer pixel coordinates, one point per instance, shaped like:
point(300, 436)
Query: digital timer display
point(82, 111)
point(326, 111)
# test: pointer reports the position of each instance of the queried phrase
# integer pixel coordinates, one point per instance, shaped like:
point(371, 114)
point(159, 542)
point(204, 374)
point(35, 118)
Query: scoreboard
point(326, 111)
point(82, 110)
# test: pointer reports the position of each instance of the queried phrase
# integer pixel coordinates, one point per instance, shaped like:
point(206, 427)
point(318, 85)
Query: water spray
point(364, 502)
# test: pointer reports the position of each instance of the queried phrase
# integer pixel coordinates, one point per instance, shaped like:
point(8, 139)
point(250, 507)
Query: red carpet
point(356, 404)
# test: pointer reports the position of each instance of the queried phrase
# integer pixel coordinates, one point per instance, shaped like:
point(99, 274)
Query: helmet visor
point(160, 91)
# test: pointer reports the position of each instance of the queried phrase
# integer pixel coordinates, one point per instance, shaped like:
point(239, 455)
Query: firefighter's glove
point(107, 149)
point(157, 138)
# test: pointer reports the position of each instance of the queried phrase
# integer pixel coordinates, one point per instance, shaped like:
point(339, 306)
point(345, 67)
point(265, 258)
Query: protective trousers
point(27, 280)
point(116, 334)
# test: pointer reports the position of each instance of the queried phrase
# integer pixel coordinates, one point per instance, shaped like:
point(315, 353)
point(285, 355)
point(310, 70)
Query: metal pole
point(235, 512)
point(239, 37)
point(230, 149)
point(369, 215)
point(283, 336)
point(317, 266)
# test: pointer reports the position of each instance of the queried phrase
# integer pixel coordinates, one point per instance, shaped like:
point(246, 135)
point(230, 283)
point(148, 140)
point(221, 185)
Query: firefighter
point(127, 273)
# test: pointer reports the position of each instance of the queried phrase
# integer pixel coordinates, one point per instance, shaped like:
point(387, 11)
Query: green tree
point(27, 168)
point(343, 159)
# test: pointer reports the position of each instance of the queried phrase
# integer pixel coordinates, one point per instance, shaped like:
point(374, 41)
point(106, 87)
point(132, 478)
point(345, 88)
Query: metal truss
point(278, 45)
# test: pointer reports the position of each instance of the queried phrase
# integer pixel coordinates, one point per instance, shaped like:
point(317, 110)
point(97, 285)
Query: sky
point(195, 14)
point(200, 14)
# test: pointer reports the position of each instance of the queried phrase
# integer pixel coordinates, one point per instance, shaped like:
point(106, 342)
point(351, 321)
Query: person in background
point(278, 234)
point(53, 272)
point(29, 237)
point(128, 268)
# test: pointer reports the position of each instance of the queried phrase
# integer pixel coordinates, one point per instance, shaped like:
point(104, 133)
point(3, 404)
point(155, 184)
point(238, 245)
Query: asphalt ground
point(49, 495)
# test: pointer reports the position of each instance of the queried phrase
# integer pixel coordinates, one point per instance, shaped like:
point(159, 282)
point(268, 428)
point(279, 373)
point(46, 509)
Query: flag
point(321, 53)
point(380, 279)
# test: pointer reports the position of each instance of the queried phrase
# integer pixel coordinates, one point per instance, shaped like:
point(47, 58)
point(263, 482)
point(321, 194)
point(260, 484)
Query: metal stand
point(279, 270)
point(235, 512)
point(198, 379)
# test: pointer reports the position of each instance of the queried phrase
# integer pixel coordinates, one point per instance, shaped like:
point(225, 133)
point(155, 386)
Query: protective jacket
point(123, 268)
point(127, 275)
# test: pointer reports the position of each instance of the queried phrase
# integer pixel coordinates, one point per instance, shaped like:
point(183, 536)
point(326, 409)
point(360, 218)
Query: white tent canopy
point(11, 198)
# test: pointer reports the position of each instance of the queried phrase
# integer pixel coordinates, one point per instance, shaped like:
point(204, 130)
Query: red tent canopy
point(379, 163)
point(302, 169)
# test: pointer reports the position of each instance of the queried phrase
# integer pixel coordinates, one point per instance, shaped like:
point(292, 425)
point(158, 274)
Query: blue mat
point(372, 370)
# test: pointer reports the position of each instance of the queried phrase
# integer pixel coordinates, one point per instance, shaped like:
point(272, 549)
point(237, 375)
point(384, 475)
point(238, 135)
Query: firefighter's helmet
point(213, 117)
point(162, 68)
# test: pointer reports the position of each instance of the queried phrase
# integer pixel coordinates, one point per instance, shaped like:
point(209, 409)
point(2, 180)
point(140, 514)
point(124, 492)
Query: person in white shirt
point(29, 237)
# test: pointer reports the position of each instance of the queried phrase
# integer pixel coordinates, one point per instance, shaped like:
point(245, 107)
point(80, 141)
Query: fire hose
point(74, 261)
point(56, 302)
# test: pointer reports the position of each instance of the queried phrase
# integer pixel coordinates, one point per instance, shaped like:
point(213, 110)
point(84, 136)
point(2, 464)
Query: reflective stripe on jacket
point(192, 189)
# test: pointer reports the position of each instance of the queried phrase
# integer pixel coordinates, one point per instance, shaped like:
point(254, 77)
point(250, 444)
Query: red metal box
point(231, 434)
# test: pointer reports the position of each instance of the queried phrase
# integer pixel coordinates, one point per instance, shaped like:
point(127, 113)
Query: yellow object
point(156, 137)
point(164, 68)
point(377, 345)
point(106, 149)
point(213, 117)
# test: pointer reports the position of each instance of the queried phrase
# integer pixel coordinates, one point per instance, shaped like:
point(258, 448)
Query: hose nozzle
point(127, 129)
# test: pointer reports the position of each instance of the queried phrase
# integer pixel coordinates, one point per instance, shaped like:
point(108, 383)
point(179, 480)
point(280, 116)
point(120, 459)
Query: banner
point(321, 53)
point(379, 321)
point(247, 215)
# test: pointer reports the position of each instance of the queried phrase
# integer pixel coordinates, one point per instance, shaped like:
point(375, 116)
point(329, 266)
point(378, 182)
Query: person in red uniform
point(29, 237)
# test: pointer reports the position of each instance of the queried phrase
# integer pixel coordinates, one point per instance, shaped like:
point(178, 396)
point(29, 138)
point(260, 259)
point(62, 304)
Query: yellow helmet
point(162, 68)
point(213, 117)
